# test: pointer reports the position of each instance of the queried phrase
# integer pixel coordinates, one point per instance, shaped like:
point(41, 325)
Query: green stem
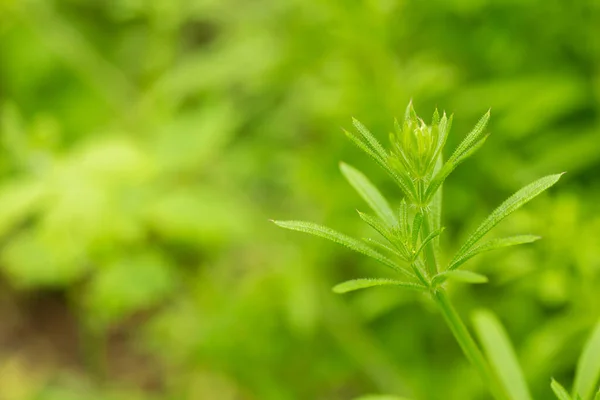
point(429, 252)
point(467, 343)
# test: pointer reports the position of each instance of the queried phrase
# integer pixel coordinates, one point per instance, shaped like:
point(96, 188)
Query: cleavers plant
point(411, 230)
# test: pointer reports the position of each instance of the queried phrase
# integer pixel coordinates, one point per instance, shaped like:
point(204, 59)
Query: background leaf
point(588, 366)
point(369, 193)
point(560, 392)
point(500, 353)
point(357, 284)
point(460, 276)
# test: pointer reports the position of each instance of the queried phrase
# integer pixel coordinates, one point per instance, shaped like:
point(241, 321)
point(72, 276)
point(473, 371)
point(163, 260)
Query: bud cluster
point(416, 146)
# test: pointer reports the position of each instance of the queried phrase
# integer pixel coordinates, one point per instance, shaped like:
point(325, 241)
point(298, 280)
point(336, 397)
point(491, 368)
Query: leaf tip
point(339, 289)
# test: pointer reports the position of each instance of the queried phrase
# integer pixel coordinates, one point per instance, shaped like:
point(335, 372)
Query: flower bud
point(416, 145)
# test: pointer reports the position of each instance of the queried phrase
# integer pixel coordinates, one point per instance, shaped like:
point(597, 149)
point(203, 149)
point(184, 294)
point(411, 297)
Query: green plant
point(412, 248)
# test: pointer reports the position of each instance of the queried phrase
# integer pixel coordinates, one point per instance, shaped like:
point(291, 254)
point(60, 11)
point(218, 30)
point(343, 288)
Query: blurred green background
point(145, 145)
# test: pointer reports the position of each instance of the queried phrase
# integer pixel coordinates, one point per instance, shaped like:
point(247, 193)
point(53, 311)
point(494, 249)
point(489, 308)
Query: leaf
point(377, 225)
point(369, 193)
point(385, 232)
point(383, 246)
point(339, 238)
point(511, 204)
point(450, 166)
point(409, 113)
point(459, 276)
point(500, 353)
point(588, 366)
point(366, 148)
point(364, 283)
point(428, 239)
point(472, 138)
point(560, 392)
point(403, 214)
point(406, 185)
point(492, 244)
point(371, 140)
point(436, 201)
point(416, 228)
point(444, 128)
point(435, 120)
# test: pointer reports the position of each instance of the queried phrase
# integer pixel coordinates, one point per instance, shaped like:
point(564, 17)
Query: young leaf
point(357, 284)
point(444, 129)
point(588, 366)
point(406, 185)
point(376, 224)
point(409, 113)
point(403, 215)
point(435, 120)
point(492, 244)
point(511, 204)
point(386, 233)
point(500, 353)
point(383, 246)
point(428, 239)
point(459, 276)
point(416, 228)
point(334, 236)
point(369, 193)
point(560, 392)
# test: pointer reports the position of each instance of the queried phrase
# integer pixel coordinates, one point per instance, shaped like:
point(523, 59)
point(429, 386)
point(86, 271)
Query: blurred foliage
point(144, 145)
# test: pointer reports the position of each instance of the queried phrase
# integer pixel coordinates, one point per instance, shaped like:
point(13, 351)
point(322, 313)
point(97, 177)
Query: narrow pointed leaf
point(406, 186)
point(385, 232)
point(510, 205)
point(360, 143)
point(450, 166)
point(472, 138)
point(492, 244)
point(560, 392)
point(597, 397)
point(410, 114)
point(382, 246)
point(501, 355)
point(460, 276)
point(370, 139)
point(369, 193)
point(357, 284)
point(416, 228)
point(403, 215)
point(340, 238)
point(436, 201)
point(428, 239)
point(444, 129)
point(377, 225)
point(435, 120)
point(588, 367)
